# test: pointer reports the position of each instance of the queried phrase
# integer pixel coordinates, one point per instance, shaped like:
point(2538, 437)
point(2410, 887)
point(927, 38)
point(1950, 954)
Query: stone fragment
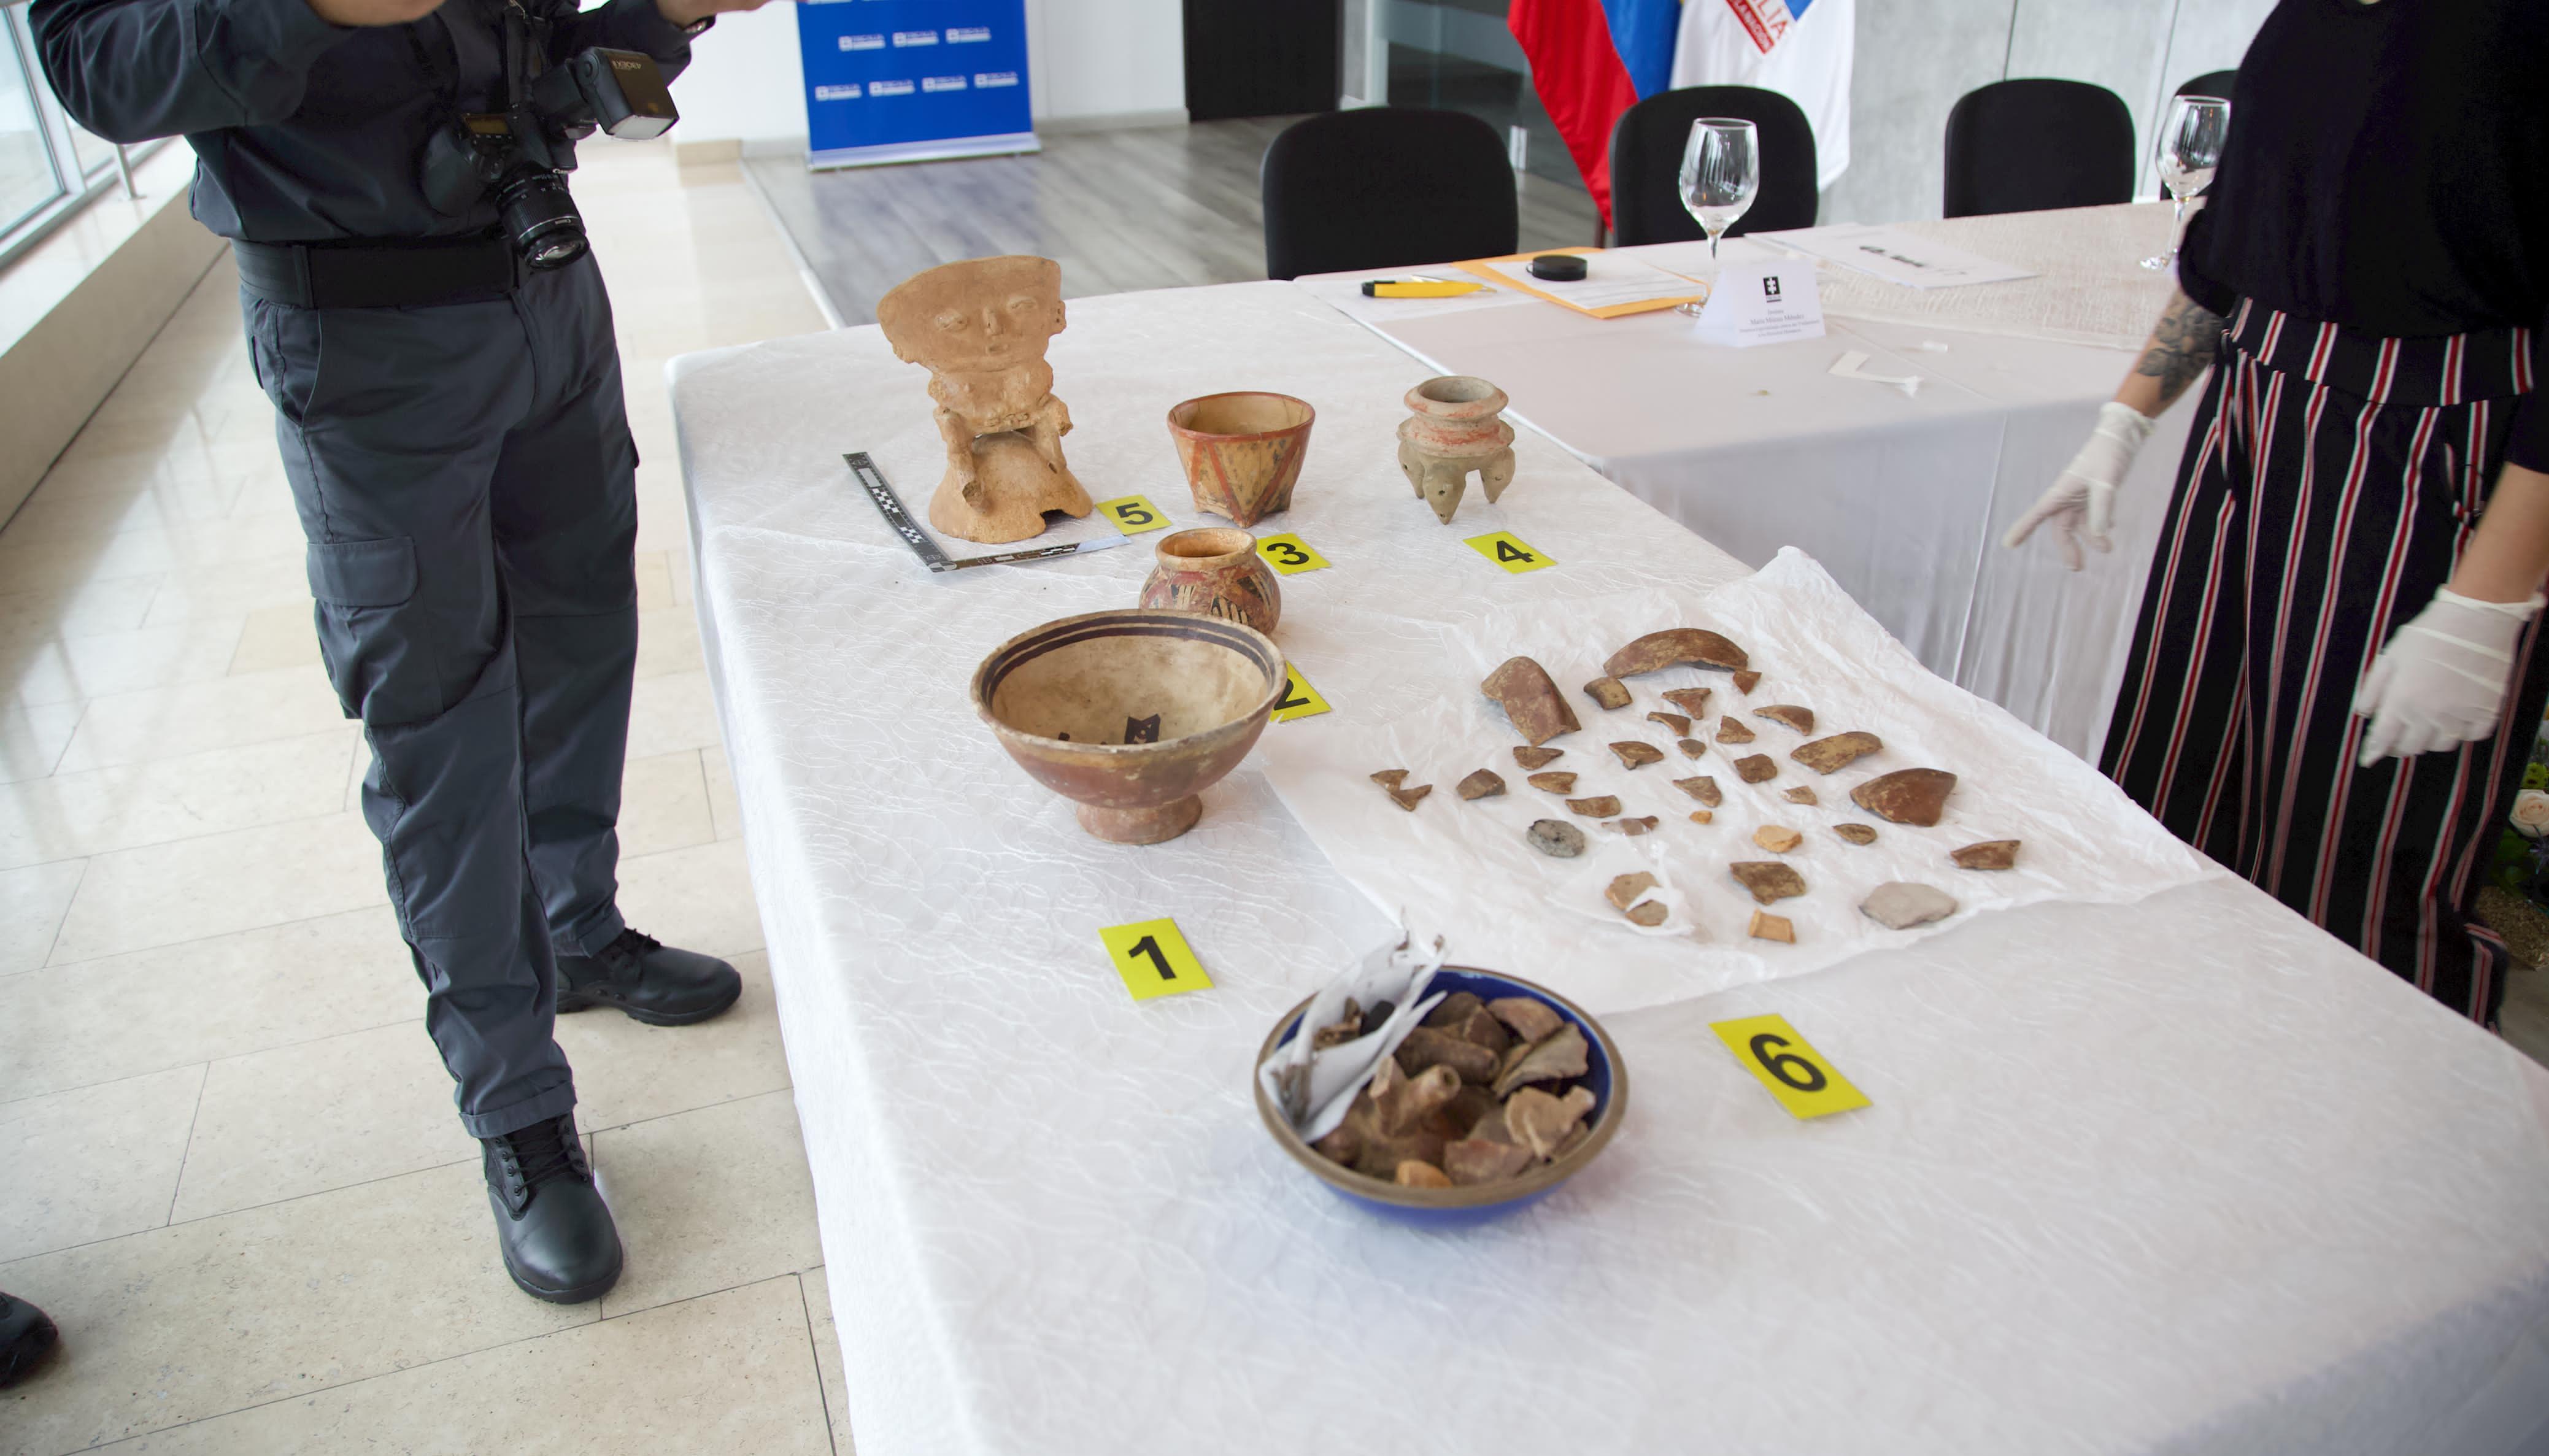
point(1417, 1173)
point(1553, 1061)
point(1996, 854)
point(1857, 834)
point(1824, 755)
point(1553, 781)
point(1600, 806)
point(1659, 650)
point(1642, 824)
point(1538, 758)
point(1778, 838)
point(1900, 905)
point(1475, 1160)
point(1701, 787)
point(1649, 914)
point(1691, 747)
point(1676, 723)
point(1531, 1018)
point(1915, 796)
point(1486, 783)
point(1701, 816)
point(1479, 1028)
point(1691, 700)
point(1626, 889)
point(1744, 682)
point(1789, 714)
point(1768, 927)
point(1531, 701)
point(1768, 879)
point(1400, 1102)
point(1633, 756)
point(1390, 777)
point(1452, 1008)
point(1610, 693)
point(1392, 1121)
point(1730, 731)
point(1466, 1106)
point(1801, 796)
point(1758, 769)
point(1409, 798)
point(1541, 1122)
point(1426, 1047)
point(1555, 838)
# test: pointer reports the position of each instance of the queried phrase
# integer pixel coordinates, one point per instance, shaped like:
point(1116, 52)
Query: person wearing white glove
point(2337, 671)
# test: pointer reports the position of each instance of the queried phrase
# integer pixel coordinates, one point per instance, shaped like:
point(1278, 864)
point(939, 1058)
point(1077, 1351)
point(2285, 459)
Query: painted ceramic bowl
point(1241, 451)
point(1215, 570)
point(1131, 714)
point(1605, 1075)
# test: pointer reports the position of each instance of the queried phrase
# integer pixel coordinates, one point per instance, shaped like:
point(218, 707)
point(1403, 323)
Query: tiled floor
point(228, 1164)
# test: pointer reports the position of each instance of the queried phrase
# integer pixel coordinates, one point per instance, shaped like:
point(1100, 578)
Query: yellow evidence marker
point(1510, 551)
point(1795, 1072)
point(1300, 699)
point(1133, 514)
point(1153, 959)
point(1289, 553)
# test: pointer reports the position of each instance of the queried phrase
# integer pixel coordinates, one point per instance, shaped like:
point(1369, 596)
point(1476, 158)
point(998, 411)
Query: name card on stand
point(1762, 304)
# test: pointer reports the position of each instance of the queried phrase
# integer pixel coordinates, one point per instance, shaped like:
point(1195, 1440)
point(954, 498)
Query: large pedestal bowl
point(1131, 714)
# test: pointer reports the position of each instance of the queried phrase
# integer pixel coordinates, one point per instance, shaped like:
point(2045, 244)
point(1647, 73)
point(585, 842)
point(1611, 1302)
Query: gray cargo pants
point(468, 485)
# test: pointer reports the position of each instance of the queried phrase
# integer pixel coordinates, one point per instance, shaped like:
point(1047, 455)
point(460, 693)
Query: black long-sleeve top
point(304, 130)
point(2387, 170)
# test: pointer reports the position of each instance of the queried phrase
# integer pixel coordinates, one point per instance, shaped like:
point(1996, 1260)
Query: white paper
point(1854, 365)
point(1895, 257)
point(1762, 304)
point(1609, 280)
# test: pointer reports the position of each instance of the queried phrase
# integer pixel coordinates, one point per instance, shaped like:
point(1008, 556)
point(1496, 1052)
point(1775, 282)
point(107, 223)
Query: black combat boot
point(650, 980)
point(26, 1338)
point(559, 1243)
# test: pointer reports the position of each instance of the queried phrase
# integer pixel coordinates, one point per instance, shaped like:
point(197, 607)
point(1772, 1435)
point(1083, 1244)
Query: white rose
point(2531, 812)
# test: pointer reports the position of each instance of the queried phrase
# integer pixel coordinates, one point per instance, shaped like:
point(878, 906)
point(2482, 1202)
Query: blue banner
point(905, 80)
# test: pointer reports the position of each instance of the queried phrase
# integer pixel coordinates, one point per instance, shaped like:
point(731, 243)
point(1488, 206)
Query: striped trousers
point(2329, 485)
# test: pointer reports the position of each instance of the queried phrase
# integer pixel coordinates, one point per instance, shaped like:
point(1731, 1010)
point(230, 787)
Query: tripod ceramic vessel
point(1454, 425)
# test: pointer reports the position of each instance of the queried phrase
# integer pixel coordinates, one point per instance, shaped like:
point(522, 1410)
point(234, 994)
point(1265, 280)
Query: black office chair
point(1646, 163)
point(2022, 146)
point(1386, 187)
point(2210, 83)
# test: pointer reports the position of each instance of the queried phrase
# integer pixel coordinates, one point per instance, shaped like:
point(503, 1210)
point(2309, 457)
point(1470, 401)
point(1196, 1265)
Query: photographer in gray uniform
point(438, 349)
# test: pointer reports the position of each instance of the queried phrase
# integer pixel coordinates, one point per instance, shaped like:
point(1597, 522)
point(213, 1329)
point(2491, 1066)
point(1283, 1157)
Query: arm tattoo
point(2181, 346)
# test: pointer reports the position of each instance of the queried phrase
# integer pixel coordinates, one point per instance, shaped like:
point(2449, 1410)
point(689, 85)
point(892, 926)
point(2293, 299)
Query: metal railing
point(49, 165)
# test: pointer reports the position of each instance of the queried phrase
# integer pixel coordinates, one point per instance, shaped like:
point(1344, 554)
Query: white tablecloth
point(1903, 499)
point(2178, 1176)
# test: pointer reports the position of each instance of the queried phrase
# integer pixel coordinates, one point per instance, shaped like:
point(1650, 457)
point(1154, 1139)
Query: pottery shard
point(1758, 769)
point(1601, 806)
point(1691, 700)
point(1768, 879)
point(1625, 891)
point(1730, 731)
point(1788, 713)
point(1701, 787)
point(1701, 816)
point(1906, 795)
point(1768, 927)
point(1638, 754)
point(1744, 682)
point(1659, 650)
point(1778, 838)
point(1426, 1048)
point(1857, 834)
point(1529, 700)
point(1399, 1103)
point(1651, 914)
point(1486, 783)
point(1451, 1008)
point(1674, 723)
point(1554, 782)
point(1553, 1061)
point(1541, 1122)
point(1691, 747)
point(1556, 838)
point(1608, 693)
point(1824, 755)
point(1417, 1173)
point(1644, 824)
point(1801, 796)
point(1409, 798)
point(1340, 1031)
point(1899, 905)
point(1998, 854)
point(1538, 758)
point(1390, 777)
point(1466, 1108)
point(1530, 1019)
point(1475, 1160)
point(1479, 1028)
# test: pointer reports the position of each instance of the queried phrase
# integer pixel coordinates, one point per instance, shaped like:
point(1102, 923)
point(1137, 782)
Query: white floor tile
point(699, 898)
point(93, 1163)
point(193, 717)
point(164, 894)
point(32, 736)
point(664, 805)
point(31, 904)
point(627, 1072)
point(99, 810)
point(707, 1199)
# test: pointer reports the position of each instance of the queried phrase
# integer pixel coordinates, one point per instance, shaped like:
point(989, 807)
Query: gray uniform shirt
point(303, 130)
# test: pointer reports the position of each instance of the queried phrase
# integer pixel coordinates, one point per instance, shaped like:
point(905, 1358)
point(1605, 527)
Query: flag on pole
point(1800, 48)
point(1592, 59)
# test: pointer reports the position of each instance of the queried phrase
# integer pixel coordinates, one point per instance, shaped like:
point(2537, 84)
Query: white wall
point(1085, 59)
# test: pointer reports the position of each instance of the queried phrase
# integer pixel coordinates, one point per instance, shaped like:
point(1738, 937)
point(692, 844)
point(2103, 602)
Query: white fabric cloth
point(2179, 1176)
point(1807, 58)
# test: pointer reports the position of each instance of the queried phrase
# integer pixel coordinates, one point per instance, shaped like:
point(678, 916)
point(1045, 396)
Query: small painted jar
point(1215, 570)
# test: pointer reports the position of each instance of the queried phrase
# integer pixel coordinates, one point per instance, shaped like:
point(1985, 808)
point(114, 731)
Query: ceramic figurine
point(981, 328)
point(1241, 451)
point(1453, 428)
point(1215, 570)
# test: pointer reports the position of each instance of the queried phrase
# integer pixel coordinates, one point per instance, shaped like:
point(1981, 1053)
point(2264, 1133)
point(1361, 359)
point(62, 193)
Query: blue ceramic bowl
point(1604, 1074)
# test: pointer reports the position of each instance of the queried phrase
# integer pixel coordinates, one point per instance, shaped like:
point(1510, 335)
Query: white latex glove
point(2440, 682)
point(2082, 501)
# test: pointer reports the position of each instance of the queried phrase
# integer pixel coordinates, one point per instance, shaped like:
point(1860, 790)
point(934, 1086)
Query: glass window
point(28, 180)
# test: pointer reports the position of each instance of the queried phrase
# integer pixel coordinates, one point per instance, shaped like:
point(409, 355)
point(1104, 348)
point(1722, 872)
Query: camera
point(520, 156)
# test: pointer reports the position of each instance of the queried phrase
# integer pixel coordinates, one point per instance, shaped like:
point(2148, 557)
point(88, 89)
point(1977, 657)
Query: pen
point(1417, 288)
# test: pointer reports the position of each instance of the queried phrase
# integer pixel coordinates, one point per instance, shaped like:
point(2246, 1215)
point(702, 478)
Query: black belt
point(420, 274)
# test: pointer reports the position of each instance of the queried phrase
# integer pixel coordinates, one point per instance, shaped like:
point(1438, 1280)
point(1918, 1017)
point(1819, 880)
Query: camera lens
point(540, 218)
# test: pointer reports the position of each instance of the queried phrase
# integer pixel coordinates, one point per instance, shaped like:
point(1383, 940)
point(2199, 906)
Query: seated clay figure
point(981, 328)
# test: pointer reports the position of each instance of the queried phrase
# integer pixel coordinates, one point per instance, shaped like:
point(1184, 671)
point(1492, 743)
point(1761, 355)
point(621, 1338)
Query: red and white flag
point(1800, 48)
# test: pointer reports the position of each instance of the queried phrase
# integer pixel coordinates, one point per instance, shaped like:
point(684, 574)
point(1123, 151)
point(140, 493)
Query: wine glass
point(2190, 148)
point(1721, 169)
